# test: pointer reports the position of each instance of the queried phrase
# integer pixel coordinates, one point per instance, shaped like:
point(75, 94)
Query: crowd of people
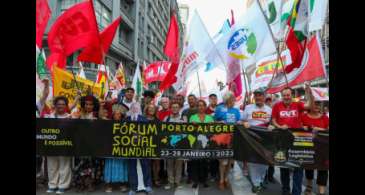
point(145, 174)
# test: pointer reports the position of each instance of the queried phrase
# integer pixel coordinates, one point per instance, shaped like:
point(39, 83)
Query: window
point(65, 4)
point(103, 14)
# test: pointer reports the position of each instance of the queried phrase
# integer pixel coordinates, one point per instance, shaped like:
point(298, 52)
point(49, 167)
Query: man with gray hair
point(165, 111)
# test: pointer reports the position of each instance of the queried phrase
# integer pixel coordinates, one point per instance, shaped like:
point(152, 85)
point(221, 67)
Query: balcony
point(127, 12)
point(126, 48)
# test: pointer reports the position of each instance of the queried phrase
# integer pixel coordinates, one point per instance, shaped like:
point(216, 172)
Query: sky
point(214, 12)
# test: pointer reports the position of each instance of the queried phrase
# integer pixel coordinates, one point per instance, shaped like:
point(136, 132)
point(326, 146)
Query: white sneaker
point(51, 190)
point(179, 186)
point(60, 191)
point(167, 187)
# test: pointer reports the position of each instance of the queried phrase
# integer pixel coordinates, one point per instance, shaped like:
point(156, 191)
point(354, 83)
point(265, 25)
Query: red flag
point(76, 28)
point(296, 50)
point(312, 67)
point(171, 50)
point(232, 18)
point(156, 71)
point(43, 12)
point(91, 53)
point(236, 86)
point(56, 58)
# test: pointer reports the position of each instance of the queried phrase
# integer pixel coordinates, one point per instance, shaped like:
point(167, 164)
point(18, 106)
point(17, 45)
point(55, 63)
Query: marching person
point(286, 114)
point(59, 167)
point(148, 97)
point(40, 163)
point(269, 177)
point(226, 113)
point(186, 114)
point(116, 169)
point(199, 168)
point(314, 120)
point(128, 97)
point(174, 166)
point(257, 114)
point(165, 111)
point(135, 114)
point(89, 169)
point(151, 116)
point(213, 163)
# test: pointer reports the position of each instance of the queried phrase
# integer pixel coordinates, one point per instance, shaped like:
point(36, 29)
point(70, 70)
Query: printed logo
point(288, 114)
point(259, 115)
point(242, 44)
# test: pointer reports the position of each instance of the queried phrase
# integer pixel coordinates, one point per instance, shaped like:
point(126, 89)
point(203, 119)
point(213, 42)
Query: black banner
point(103, 138)
point(286, 148)
point(106, 138)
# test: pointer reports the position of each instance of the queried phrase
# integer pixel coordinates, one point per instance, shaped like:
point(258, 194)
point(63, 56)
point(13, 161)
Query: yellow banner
point(64, 84)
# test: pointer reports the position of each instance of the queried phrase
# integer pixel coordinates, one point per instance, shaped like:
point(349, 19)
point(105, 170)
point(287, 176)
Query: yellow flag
point(65, 85)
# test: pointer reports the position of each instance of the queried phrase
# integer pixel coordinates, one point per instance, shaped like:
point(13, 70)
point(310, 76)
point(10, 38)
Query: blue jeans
point(297, 180)
point(132, 173)
point(257, 173)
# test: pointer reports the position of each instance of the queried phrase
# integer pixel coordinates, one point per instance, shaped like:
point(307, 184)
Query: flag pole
point(159, 83)
point(74, 76)
point(247, 86)
point(275, 41)
point(200, 92)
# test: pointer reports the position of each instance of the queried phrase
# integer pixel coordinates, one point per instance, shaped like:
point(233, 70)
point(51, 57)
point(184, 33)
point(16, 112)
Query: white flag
point(272, 9)
point(318, 9)
point(248, 40)
point(196, 47)
point(301, 23)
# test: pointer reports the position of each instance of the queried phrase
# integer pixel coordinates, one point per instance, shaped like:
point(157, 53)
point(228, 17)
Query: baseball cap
point(259, 91)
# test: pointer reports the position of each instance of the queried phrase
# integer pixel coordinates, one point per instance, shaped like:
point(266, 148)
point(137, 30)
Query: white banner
point(263, 73)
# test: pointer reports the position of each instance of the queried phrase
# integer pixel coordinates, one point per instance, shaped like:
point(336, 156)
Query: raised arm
point(76, 100)
point(309, 96)
point(45, 92)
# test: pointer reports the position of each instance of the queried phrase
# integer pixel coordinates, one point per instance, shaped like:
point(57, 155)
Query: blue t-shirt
point(228, 115)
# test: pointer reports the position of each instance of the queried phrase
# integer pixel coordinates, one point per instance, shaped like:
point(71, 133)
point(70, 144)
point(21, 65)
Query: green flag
point(137, 82)
point(41, 65)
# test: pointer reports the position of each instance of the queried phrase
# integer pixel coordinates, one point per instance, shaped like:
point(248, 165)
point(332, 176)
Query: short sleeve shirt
point(288, 115)
point(228, 115)
point(322, 122)
point(195, 118)
point(257, 116)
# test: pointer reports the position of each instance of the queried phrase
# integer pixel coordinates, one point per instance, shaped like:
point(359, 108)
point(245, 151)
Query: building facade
point(139, 38)
point(184, 14)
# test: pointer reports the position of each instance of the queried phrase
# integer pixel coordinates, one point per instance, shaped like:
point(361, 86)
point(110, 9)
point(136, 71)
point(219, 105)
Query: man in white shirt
point(257, 114)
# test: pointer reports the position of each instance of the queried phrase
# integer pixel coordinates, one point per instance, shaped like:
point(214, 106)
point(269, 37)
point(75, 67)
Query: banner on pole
point(65, 85)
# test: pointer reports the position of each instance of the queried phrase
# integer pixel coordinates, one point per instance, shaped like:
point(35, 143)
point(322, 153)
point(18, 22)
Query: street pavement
point(240, 185)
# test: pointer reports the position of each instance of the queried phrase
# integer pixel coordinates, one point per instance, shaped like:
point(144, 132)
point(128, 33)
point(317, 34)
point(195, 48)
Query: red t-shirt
point(162, 114)
point(290, 115)
point(321, 122)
